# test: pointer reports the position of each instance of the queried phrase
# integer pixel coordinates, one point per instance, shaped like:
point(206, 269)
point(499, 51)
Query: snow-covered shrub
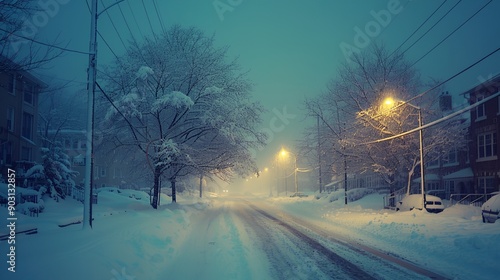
point(30, 207)
point(54, 173)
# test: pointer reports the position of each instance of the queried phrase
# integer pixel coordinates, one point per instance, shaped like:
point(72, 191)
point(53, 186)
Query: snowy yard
point(129, 240)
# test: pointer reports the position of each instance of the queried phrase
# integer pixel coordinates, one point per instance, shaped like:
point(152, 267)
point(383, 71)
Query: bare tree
point(59, 110)
point(19, 52)
point(353, 111)
point(177, 100)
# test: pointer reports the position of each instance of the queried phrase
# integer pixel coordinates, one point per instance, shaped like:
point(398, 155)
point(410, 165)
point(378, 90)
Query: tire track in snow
point(379, 264)
point(320, 261)
point(273, 247)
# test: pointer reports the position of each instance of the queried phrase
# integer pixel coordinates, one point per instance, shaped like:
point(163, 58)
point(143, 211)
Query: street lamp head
point(283, 152)
point(388, 103)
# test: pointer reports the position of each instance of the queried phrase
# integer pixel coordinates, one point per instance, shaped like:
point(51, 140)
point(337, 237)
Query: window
point(480, 110)
point(450, 186)
point(486, 185)
point(10, 118)
point(27, 126)
point(451, 157)
point(12, 84)
point(433, 186)
point(28, 91)
point(486, 145)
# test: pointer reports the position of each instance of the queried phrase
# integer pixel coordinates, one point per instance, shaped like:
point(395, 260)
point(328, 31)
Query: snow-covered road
point(239, 239)
point(251, 237)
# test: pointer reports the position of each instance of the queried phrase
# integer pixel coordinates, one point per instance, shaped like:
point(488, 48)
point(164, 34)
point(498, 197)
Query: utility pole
point(201, 185)
point(345, 167)
point(319, 158)
point(89, 156)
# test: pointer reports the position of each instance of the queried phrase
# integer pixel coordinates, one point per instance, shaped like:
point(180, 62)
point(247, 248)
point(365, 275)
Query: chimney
point(445, 102)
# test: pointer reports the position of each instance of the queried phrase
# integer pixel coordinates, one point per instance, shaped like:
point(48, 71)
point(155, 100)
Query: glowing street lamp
point(390, 103)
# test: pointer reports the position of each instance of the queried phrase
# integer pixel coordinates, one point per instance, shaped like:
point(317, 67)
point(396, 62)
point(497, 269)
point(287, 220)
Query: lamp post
point(390, 102)
point(284, 153)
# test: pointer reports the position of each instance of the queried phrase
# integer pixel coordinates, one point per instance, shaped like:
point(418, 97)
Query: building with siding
point(19, 92)
point(484, 131)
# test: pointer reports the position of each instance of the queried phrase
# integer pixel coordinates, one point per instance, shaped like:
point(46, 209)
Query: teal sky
point(291, 48)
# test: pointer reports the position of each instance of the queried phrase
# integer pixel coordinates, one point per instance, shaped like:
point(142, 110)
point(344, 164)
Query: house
point(449, 174)
point(19, 91)
point(484, 131)
point(110, 168)
point(472, 174)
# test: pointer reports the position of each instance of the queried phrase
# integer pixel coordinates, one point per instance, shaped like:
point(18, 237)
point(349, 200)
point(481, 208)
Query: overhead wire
point(418, 28)
point(447, 117)
point(116, 30)
point(432, 27)
point(135, 19)
point(106, 43)
point(449, 35)
point(149, 20)
point(126, 23)
point(159, 18)
point(43, 43)
point(454, 76)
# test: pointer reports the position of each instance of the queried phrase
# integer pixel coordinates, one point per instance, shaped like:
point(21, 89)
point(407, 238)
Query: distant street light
point(390, 103)
point(285, 153)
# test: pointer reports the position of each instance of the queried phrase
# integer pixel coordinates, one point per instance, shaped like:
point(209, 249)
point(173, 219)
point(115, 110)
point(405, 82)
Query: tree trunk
point(174, 196)
point(156, 189)
point(410, 175)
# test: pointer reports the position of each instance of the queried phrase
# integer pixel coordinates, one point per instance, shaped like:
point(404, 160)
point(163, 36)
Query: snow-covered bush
point(30, 207)
point(54, 174)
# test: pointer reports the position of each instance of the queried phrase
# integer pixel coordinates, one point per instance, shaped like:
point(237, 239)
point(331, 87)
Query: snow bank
point(454, 242)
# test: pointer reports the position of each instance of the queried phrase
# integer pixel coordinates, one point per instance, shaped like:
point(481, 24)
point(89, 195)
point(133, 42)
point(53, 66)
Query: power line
point(106, 43)
point(418, 28)
point(447, 117)
point(61, 79)
point(428, 30)
point(453, 76)
point(42, 43)
point(159, 18)
point(135, 19)
point(149, 20)
point(126, 23)
point(116, 29)
point(460, 26)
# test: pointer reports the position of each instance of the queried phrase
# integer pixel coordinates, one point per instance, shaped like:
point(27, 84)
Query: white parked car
point(490, 209)
point(433, 204)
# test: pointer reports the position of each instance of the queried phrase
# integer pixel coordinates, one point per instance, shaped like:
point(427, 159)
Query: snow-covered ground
point(129, 240)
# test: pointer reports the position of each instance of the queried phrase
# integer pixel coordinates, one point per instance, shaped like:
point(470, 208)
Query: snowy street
point(234, 230)
point(251, 237)
point(254, 140)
